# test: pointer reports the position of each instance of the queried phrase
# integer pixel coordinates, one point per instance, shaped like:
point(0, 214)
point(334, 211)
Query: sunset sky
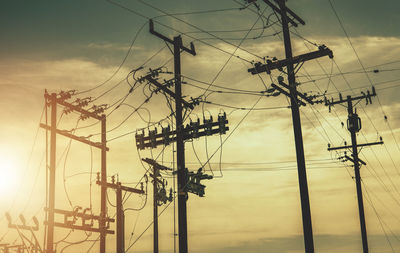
point(253, 204)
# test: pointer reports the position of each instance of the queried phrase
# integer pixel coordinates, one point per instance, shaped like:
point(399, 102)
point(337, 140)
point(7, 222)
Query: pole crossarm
point(367, 96)
point(83, 228)
point(271, 65)
point(290, 19)
point(303, 96)
point(82, 215)
point(6, 247)
point(191, 131)
point(71, 217)
point(352, 160)
point(297, 94)
point(276, 87)
point(167, 91)
point(61, 101)
point(23, 226)
point(358, 145)
point(122, 187)
point(155, 164)
point(191, 51)
point(74, 137)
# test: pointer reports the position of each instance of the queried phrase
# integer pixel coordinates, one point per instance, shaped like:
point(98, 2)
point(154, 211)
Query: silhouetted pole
point(180, 150)
point(352, 130)
point(103, 193)
point(155, 210)
point(52, 174)
point(120, 221)
point(354, 126)
point(301, 166)
point(180, 146)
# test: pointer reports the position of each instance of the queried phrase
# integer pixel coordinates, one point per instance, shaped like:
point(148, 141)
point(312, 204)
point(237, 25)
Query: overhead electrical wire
point(196, 27)
point(370, 81)
point(381, 222)
point(363, 135)
point(203, 42)
point(121, 64)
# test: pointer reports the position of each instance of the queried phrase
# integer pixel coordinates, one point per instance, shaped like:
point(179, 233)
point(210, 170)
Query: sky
point(252, 204)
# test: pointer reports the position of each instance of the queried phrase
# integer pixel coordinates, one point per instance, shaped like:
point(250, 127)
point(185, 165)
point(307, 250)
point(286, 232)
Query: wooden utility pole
point(280, 8)
point(182, 133)
point(103, 192)
point(180, 146)
point(120, 220)
point(354, 126)
point(298, 137)
point(96, 112)
point(155, 209)
point(120, 229)
point(52, 101)
point(159, 196)
point(180, 150)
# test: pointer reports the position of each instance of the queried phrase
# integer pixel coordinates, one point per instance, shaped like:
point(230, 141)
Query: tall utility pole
point(52, 100)
point(354, 126)
point(180, 149)
point(293, 94)
point(159, 196)
point(180, 146)
point(96, 112)
point(120, 229)
point(155, 210)
point(120, 221)
point(193, 130)
point(103, 192)
point(301, 165)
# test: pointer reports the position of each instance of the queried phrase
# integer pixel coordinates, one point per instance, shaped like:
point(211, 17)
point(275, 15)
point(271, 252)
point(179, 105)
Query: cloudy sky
point(253, 203)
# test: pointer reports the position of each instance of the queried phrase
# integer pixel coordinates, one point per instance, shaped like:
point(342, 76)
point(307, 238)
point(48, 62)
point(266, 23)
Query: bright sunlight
point(9, 168)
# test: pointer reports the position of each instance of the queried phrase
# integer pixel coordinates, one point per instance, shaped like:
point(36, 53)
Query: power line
point(194, 38)
point(121, 64)
point(377, 215)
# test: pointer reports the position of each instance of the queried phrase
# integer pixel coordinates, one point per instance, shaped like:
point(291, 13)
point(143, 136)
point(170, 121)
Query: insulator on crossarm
point(152, 136)
point(208, 125)
point(166, 131)
point(222, 123)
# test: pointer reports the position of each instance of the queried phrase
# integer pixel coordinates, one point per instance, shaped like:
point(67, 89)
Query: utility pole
point(52, 101)
point(354, 126)
point(180, 146)
point(166, 136)
point(182, 133)
point(156, 173)
point(103, 192)
point(159, 196)
point(120, 221)
point(293, 94)
point(96, 112)
point(120, 229)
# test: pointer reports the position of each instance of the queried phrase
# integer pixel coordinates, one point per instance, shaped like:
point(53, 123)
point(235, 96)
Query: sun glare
point(8, 175)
